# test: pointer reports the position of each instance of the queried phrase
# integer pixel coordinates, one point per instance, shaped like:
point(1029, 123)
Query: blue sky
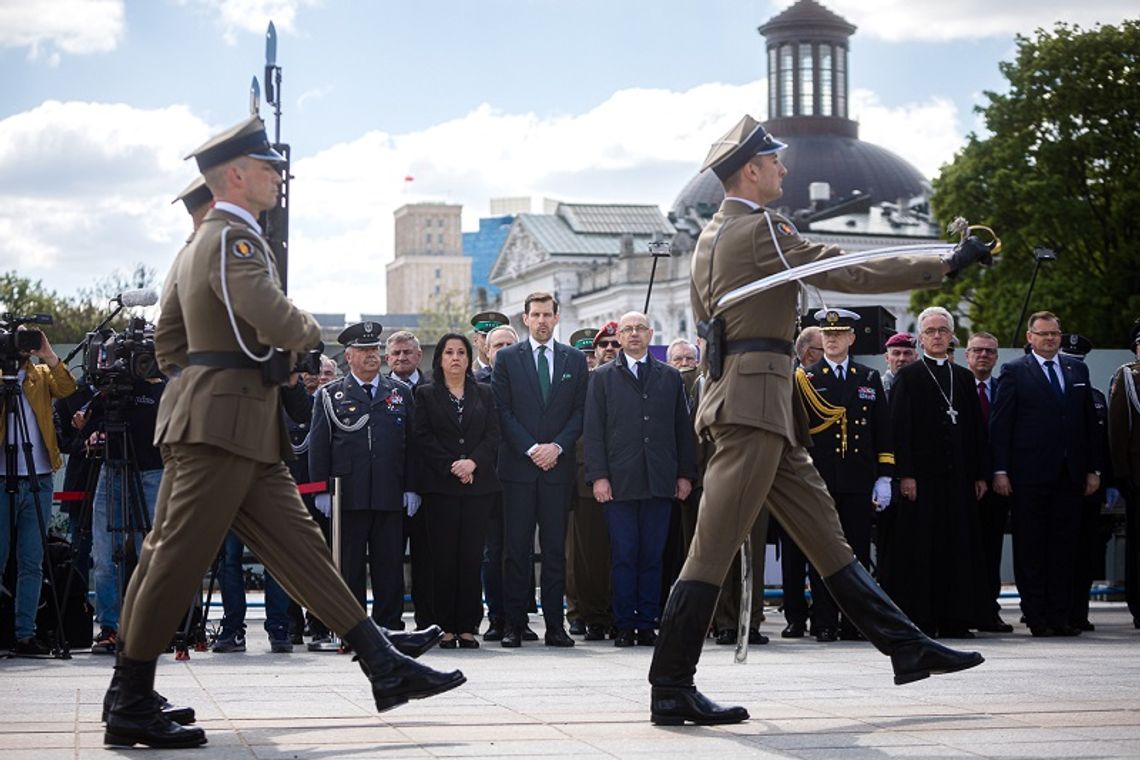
point(601, 101)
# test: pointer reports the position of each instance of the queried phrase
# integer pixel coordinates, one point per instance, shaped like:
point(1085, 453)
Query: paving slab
point(1033, 698)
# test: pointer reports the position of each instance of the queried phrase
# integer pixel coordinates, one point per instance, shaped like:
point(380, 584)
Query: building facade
point(429, 261)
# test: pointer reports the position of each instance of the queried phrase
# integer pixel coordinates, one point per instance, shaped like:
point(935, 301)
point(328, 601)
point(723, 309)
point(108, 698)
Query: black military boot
point(674, 698)
point(415, 643)
point(181, 715)
point(134, 716)
point(914, 655)
point(395, 678)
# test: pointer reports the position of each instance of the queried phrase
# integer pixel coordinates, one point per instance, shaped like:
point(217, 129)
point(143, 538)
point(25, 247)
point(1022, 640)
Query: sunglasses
point(609, 344)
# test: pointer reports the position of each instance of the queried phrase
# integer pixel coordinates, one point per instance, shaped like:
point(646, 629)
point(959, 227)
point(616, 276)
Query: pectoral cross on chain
point(952, 413)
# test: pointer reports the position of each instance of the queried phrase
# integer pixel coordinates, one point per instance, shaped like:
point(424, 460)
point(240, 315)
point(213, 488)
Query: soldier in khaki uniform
point(1124, 446)
point(760, 459)
point(223, 441)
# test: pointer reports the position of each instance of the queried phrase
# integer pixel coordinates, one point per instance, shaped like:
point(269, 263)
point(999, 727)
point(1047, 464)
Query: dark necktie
point(367, 390)
point(640, 373)
point(839, 372)
point(984, 400)
point(543, 374)
point(1053, 379)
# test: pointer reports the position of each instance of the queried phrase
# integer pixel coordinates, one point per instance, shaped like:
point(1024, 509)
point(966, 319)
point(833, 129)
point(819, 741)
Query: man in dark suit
point(540, 390)
point(640, 455)
point(1046, 456)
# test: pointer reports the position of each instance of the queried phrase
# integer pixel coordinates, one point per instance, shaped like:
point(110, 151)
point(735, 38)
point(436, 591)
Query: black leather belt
point(222, 360)
point(751, 345)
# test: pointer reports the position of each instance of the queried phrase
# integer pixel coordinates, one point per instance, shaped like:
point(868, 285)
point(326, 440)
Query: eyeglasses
point(1046, 333)
point(631, 329)
point(930, 332)
point(609, 344)
point(981, 350)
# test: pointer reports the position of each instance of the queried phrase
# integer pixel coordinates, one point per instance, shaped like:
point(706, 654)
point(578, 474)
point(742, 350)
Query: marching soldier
point(851, 449)
point(223, 441)
point(747, 409)
point(1124, 445)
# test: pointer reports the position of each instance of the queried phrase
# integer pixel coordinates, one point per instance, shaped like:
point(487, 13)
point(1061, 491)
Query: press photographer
point(120, 420)
point(31, 455)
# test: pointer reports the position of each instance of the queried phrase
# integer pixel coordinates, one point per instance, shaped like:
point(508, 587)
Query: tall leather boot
point(395, 677)
point(181, 715)
point(684, 624)
point(914, 655)
point(414, 643)
point(134, 716)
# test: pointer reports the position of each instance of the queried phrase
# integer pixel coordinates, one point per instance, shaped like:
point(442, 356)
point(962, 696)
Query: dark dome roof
point(846, 163)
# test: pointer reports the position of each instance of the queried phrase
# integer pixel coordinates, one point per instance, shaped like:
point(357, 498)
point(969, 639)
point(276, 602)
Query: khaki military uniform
point(1124, 447)
point(223, 442)
point(758, 427)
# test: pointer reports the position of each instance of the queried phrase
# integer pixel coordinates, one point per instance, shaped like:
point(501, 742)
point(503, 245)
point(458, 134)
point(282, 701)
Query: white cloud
point(902, 20)
point(254, 15)
point(927, 134)
point(48, 27)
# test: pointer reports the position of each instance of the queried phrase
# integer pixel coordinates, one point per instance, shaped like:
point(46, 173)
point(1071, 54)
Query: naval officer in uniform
point(222, 438)
point(760, 437)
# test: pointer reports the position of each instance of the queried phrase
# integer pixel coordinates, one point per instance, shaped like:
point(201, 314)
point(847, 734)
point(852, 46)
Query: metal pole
point(1013, 343)
point(334, 642)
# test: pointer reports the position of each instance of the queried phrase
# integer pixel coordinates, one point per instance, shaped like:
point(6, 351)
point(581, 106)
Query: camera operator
point(39, 383)
point(116, 518)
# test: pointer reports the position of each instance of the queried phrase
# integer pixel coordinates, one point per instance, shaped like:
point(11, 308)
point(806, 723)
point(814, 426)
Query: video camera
point(120, 358)
point(15, 344)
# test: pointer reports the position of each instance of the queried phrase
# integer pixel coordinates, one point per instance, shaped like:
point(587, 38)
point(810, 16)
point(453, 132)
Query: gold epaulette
point(886, 457)
point(828, 413)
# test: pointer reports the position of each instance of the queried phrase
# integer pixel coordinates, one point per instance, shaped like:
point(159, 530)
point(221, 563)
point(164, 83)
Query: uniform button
point(836, 449)
point(864, 409)
point(647, 440)
point(462, 441)
point(645, 395)
point(646, 418)
point(856, 436)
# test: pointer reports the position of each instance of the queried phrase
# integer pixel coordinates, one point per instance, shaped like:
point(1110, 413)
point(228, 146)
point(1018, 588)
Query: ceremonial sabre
point(744, 620)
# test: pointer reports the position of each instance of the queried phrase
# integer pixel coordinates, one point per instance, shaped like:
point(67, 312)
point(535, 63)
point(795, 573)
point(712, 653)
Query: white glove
point(323, 502)
point(1112, 497)
point(412, 502)
point(881, 494)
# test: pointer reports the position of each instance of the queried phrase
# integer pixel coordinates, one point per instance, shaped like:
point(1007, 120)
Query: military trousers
point(205, 492)
point(753, 469)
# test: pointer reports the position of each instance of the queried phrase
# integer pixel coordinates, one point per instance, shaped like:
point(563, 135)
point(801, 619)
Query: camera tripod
point(17, 445)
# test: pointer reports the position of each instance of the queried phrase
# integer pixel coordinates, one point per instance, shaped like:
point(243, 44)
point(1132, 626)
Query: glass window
point(428, 240)
point(841, 81)
point(787, 81)
point(773, 85)
point(825, 74)
point(807, 81)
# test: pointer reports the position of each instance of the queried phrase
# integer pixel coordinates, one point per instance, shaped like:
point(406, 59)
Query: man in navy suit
point(540, 390)
point(1047, 456)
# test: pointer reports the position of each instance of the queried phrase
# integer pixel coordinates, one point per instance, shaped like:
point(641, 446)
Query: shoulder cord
point(803, 299)
point(303, 446)
point(1130, 393)
point(326, 401)
point(828, 413)
point(229, 306)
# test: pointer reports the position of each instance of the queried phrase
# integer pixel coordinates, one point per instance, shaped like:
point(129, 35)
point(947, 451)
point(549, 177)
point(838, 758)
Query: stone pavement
point(1033, 698)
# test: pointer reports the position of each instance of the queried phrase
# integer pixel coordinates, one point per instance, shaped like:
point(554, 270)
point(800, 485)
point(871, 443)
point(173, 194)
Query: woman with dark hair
point(457, 434)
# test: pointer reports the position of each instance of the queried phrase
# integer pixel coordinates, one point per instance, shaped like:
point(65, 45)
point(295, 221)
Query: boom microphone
point(142, 297)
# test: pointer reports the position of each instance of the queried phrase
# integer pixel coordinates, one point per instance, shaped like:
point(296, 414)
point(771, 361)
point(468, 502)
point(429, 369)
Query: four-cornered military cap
point(486, 321)
point(245, 139)
point(609, 330)
point(732, 151)
point(901, 340)
point(583, 339)
point(1075, 345)
point(195, 195)
point(836, 320)
point(361, 335)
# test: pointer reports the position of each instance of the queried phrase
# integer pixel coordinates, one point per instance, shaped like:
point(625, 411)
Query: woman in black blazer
point(457, 435)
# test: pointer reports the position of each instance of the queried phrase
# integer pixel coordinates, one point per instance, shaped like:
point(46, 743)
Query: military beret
point(836, 320)
point(738, 146)
point(245, 139)
point(361, 335)
point(609, 330)
point(1073, 344)
point(901, 340)
point(195, 195)
point(486, 321)
point(583, 339)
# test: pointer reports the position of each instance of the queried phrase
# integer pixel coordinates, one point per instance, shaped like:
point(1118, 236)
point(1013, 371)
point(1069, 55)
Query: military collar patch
point(241, 249)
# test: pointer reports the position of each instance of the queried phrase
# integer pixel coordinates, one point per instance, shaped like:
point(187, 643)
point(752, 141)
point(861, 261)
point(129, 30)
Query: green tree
point(449, 312)
point(1059, 169)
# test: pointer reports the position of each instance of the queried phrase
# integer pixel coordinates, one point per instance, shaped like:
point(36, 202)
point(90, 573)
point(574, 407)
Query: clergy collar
point(939, 362)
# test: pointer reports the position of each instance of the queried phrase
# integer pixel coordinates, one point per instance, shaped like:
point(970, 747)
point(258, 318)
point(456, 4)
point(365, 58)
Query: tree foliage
point(449, 312)
point(1059, 169)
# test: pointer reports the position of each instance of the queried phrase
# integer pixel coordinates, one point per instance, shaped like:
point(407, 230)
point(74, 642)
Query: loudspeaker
point(875, 325)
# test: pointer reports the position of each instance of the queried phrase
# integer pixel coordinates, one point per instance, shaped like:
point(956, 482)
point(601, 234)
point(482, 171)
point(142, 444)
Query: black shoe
point(954, 633)
point(1083, 625)
point(229, 641)
point(827, 634)
point(913, 654)
point(134, 716)
point(181, 715)
point(30, 647)
point(557, 637)
point(512, 638)
point(467, 643)
point(673, 706)
point(794, 630)
point(528, 634)
point(726, 636)
point(755, 638)
point(996, 625)
point(1041, 631)
point(646, 638)
point(595, 632)
point(452, 643)
point(106, 642)
point(395, 678)
point(577, 628)
point(415, 643)
point(494, 631)
point(1065, 630)
point(280, 643)
point(625, 638)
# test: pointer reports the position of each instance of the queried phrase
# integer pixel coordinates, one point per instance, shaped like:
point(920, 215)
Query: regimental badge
point(395, 401)
point(786, 229)
point(241, 249)
point(866, 393)
point(338, 395)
